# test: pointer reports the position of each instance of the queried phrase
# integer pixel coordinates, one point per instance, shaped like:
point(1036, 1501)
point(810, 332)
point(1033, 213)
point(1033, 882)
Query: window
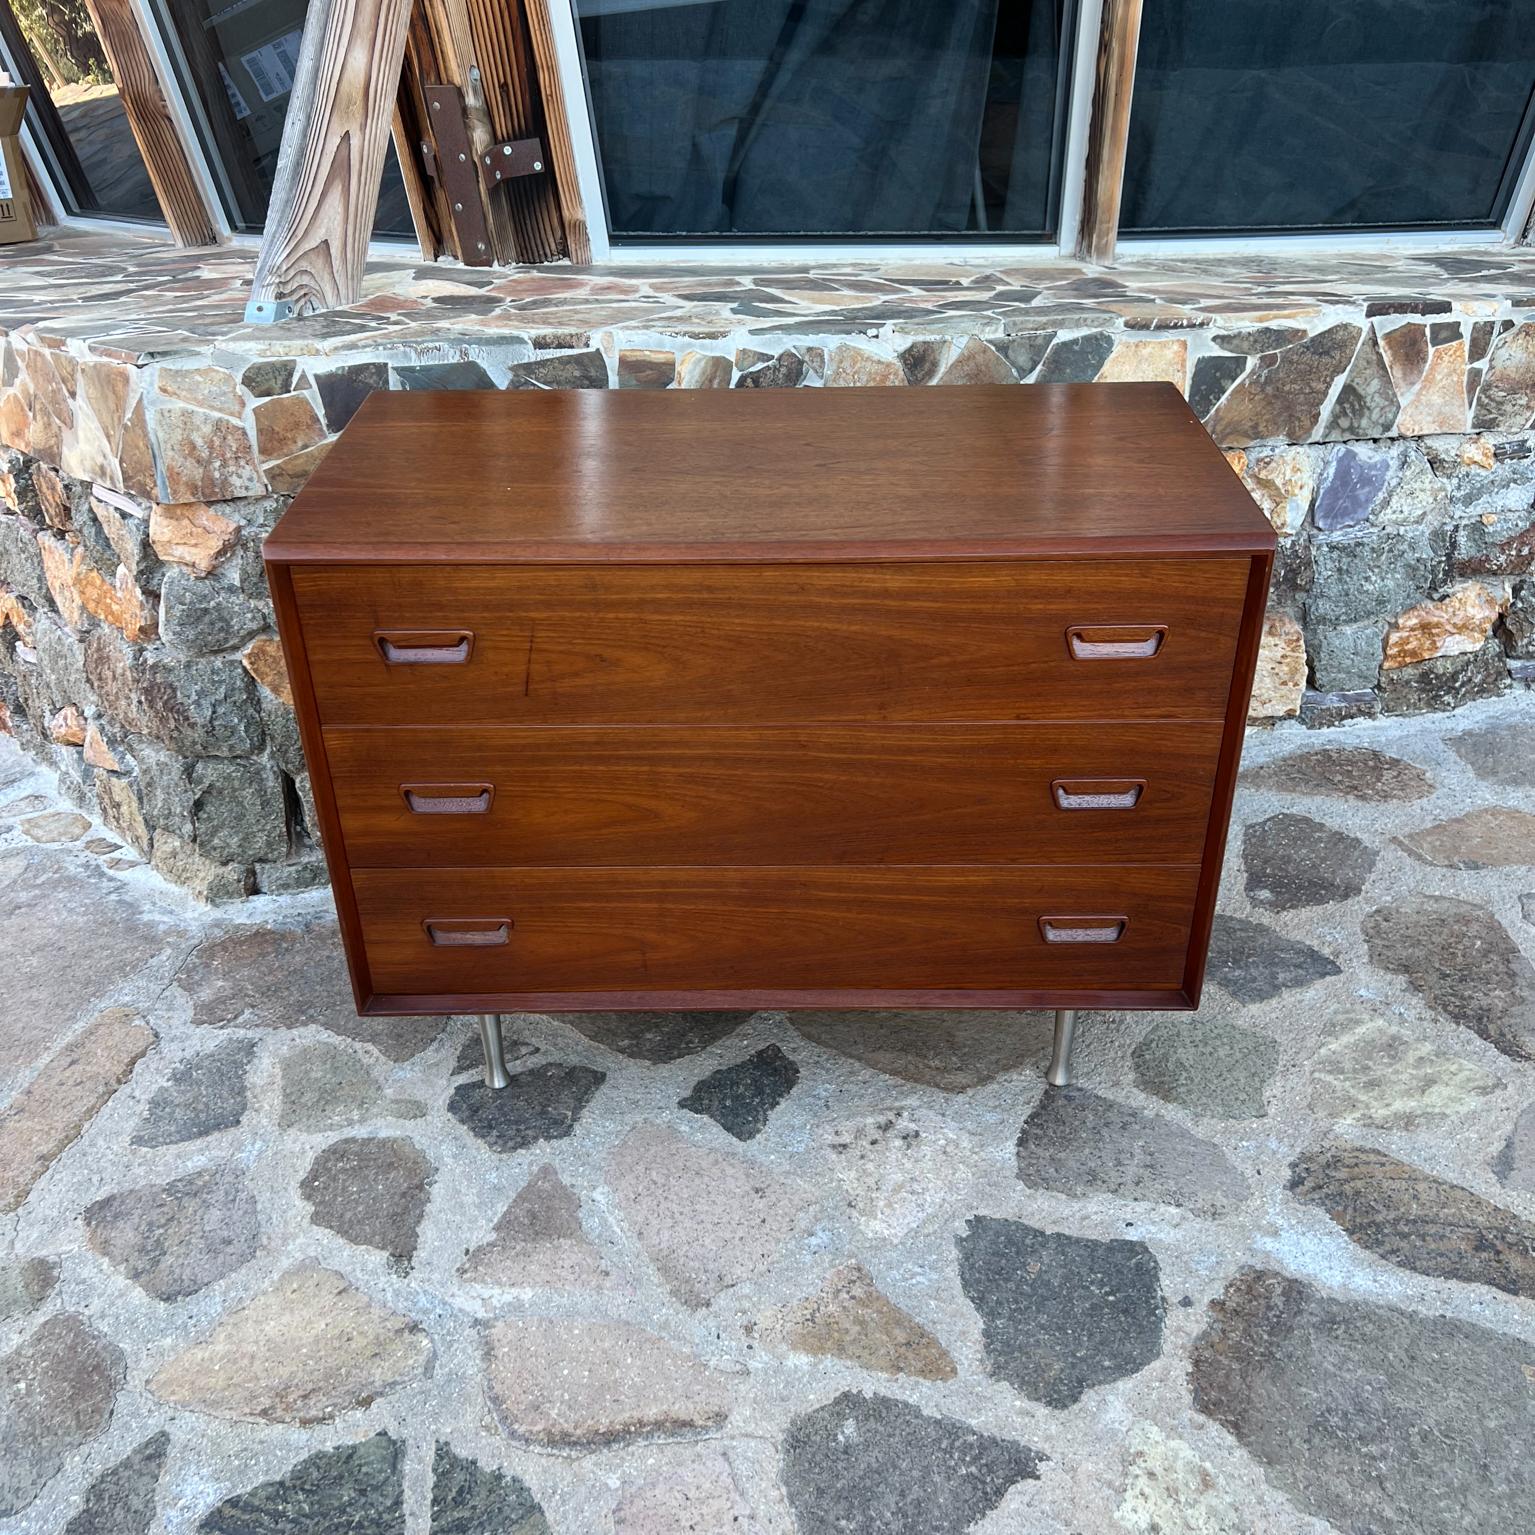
point(1311, 115)
point(237, 59)
point(74, 111)
point(875, 118)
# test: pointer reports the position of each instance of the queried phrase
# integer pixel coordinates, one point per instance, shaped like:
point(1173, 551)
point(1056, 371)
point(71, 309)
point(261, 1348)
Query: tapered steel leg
point(490, 1040)
point(1059, 1074)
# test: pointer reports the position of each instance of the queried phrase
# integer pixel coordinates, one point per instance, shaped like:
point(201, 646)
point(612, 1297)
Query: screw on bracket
point(509, 160)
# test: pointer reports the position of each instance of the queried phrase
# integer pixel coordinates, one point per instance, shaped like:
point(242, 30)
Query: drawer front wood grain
point(781, 929)
point(713, 795)
point(712, 644)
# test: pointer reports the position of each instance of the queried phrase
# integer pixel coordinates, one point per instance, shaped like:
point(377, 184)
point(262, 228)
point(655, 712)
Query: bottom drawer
point(556, 933)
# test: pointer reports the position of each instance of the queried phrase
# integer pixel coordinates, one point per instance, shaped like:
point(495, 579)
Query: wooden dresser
point(701, 699)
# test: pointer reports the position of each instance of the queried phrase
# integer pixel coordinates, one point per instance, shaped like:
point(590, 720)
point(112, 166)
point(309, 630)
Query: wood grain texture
point(771, 474)
point(1249, 637)
point(1108, 130)
point(418, 194)
point(759, 703)
point(505, 56)
point(780, 929)
point(331, 163)
point(412, 138)
point(755, 644)
point(561, 154)
point(175, 185)
point(443, 49)
point(291, 633)
point(873, 794)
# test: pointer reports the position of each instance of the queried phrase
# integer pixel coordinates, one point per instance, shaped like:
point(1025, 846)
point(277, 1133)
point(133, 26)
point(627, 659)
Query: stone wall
point(1391, 448)
point(137, 655)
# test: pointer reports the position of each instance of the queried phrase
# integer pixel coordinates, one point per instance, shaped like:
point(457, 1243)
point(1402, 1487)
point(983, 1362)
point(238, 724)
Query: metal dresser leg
point(1059, 1074)
point(490, 1040)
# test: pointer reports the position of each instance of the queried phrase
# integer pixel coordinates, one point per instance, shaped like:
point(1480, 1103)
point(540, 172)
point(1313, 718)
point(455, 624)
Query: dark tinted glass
point(239, 58)
point(826, 117)
point(1325, 114)
point(74, 107)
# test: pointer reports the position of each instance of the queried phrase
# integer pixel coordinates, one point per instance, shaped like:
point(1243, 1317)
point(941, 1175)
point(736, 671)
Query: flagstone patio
point(1268, 1268)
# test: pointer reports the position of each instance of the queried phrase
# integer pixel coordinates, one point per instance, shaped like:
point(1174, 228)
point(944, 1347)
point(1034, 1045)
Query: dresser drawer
point(542, 932)
point(787, 794)
point(711, 644)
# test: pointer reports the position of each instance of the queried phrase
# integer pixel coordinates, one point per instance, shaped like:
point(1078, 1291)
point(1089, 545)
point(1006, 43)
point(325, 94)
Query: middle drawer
point(744, 795)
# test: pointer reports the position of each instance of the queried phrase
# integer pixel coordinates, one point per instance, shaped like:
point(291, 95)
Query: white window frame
point(971, 251)
point(187, 118)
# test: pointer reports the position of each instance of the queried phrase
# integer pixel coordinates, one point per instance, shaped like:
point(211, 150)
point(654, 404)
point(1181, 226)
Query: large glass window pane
point(826, 117)
point(75, 110)
point(239, 57)
point(1315, 114)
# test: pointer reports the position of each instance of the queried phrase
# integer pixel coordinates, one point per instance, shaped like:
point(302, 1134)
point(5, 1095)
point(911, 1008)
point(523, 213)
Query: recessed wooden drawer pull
point(467, 932)
point(424, 647)
point(1102, 642)
point(1098, 793)
point(448, 798)
point(1082, 929)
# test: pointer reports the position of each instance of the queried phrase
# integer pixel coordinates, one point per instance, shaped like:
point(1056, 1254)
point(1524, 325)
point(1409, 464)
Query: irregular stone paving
point(865, 1464)
point(121, 1501)
point(175, 1239)
point(539, 1243)
point(373, 1191)
point(740, 1098)
point(849, 1318)
point(1411, 1218)
point(1463, 962)
point(1263, 1269)
point(1339, 1398)
point(1208, 1067)
point(1060, 1314)
point(201, 1097)
point(1293, 861)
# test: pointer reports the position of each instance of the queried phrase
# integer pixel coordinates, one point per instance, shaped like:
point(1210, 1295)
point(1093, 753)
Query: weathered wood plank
point(331, 164)
point(510, 83)
point(418, 194)
point(443, 51)
point(559, 147)
point(1109, 130)
point(175, 184)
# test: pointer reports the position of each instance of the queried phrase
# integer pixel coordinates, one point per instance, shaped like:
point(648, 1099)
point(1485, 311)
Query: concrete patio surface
point(1266, 1268)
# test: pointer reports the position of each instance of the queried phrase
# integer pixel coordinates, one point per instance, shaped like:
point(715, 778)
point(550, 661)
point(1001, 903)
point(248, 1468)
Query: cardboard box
point(16, 222)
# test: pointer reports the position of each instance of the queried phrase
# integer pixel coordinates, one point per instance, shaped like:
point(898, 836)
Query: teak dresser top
point(560, 476)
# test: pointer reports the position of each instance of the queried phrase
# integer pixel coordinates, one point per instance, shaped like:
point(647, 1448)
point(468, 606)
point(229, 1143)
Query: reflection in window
point(1251, 114)
point(75, 109)
point(239, 58)
point(827, 117)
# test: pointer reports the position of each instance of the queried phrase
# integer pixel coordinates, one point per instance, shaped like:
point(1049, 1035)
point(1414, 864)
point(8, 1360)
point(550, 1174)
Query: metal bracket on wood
point(451, 162)
point(267, 311)
point(505, 162)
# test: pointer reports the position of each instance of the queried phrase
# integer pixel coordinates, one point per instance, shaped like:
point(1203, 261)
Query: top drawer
point(701, 644)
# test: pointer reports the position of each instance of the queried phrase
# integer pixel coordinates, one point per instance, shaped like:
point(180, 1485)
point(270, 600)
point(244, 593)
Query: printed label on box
point(236, 100)
point(5, 185)
point(273, 65)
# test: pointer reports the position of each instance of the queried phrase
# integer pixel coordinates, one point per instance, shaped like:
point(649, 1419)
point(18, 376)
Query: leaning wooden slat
point(418, 195)
point(143, 99)
point(331, 163)
point(560, 150)
point(506, 67)
point(442, 52)
point(1109, 130)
